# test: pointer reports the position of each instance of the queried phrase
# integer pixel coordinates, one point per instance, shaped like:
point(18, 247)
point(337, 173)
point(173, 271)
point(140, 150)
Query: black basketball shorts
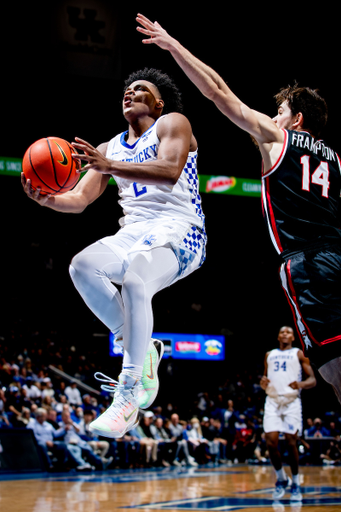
point(312, 283)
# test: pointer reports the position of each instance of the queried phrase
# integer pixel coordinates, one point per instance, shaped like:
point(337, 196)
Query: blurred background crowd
point(47, 385)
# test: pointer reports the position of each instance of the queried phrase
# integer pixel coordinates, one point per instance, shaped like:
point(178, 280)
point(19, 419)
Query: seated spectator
point(333, 454)
point(52, 418)
point(219, 442)
point(179, 434)
point(46, 387)
point(15, 401)
point(318, 430)
point(244, 443)
point(4, 421)
point(198, 444)
point(99, 446)
point(32, 389)
point(334, 431)
point(24, 418)
point(73, 394)
point(80, 449)
point(167, 446)
point(47, 439)
point(148, 445)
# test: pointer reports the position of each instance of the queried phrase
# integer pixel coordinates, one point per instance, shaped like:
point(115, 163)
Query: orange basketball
point(49, 165)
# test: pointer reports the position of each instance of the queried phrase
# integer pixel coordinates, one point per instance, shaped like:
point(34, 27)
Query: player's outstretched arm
point(87, 190)
point(260, 126)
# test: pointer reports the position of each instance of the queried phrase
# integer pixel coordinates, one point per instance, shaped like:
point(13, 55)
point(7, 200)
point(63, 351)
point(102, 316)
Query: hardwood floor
point(221, 488)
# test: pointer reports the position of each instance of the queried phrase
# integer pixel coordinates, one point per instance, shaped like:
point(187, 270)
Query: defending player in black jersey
point(301, 186)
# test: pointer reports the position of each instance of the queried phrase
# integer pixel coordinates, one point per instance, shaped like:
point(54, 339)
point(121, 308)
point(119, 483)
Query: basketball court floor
point(220, 488)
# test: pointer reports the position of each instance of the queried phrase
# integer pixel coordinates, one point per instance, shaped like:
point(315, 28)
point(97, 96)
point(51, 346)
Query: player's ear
point(160, 104)
point(298, 121)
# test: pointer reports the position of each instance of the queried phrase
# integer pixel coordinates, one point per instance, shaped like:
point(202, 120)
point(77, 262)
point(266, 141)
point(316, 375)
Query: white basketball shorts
point(283, 418)
point(187, 241)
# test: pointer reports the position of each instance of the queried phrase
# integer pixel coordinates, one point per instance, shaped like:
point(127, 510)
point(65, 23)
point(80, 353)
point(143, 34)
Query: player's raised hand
point(94, 158)
point(157, 35)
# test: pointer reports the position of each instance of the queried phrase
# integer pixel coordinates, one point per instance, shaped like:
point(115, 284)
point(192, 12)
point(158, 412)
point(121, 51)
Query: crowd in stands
point(222, 427)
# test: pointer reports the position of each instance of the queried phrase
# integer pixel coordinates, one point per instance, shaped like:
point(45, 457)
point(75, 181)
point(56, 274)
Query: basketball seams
point(46, 171)
point(53, 165)
point(35, 172)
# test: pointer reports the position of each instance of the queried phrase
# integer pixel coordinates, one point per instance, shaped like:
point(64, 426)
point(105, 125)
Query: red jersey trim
point(280, 158)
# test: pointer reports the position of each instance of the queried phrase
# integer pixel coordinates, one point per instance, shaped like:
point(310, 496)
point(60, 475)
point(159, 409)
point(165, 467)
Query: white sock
point(133, 371)
point(296, 479)
point(281, 475)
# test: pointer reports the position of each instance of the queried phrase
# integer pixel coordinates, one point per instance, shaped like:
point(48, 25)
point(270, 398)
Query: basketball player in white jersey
point(282, 382)
point(162, 236)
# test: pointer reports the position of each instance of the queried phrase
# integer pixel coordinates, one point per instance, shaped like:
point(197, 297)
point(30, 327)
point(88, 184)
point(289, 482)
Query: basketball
point(49, 165)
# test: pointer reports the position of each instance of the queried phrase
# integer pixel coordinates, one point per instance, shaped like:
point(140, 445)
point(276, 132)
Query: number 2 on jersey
point(320, 176)
point(139, 191)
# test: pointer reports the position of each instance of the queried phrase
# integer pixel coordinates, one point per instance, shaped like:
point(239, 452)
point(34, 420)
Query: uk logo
point(149, 240)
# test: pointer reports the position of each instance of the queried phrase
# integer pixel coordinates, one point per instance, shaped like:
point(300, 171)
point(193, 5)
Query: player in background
point(301, 185)
point(282, 382)
point(162, 236)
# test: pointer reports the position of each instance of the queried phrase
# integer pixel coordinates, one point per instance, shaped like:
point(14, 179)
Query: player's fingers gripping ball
point(49, 165)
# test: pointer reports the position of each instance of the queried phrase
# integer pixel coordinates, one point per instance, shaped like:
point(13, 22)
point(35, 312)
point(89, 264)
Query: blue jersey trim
point(128, 146)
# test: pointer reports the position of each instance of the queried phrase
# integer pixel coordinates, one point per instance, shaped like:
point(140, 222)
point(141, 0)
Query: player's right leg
point(93, 272)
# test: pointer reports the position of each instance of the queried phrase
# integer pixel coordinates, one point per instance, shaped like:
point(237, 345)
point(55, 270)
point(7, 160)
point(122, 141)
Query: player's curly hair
point(309, 102)
point(165, 85)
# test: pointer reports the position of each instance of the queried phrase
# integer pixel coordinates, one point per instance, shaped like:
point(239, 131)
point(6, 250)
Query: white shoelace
point(123, 395)
point(111, 387)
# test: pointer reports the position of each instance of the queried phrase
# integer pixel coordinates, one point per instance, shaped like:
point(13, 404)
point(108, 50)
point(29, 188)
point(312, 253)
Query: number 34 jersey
point(284, 368)
point(301, 194)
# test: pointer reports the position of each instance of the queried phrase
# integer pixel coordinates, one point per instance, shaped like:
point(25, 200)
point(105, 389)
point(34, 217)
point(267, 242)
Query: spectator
point(73, 394)
point(52, 418)
point(198, 445)
point(333, 430)
point(333, 454)
point(148, 445)
point(178, 433)
point(32, 388)
point(46, 437)
point(219, 442)
point(244, 443)
point(4, 422)
point(167, 446)
point(80, 449)
point(47, 388)
point(229, 415)
point(99, 446)
point(318, 430)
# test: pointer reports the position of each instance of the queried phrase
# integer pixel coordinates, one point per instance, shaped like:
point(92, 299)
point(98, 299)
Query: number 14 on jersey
point(320, 176)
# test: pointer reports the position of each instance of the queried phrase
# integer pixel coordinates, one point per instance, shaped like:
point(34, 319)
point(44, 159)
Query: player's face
point(140, 98)
point(286, 335)
point(284, 118)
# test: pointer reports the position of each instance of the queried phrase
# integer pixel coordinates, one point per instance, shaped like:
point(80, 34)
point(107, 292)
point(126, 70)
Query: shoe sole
point(160, 354)
point(278, 497)
point(115, 434)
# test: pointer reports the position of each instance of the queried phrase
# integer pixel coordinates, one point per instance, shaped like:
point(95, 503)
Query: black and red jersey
point(301, 194)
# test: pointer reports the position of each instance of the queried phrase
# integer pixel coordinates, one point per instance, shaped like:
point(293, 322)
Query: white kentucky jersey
point(143, 202)
point(284, 368)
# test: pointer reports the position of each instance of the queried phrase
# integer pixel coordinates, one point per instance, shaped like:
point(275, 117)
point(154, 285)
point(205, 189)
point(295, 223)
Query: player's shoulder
point(173, 120)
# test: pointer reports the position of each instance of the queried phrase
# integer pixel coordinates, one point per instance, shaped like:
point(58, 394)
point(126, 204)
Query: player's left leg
point(293, 459)
point(149, 272)
point(282, 480)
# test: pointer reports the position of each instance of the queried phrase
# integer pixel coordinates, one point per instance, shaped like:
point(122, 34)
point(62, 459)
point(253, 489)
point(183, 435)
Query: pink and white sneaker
point(122, 415)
